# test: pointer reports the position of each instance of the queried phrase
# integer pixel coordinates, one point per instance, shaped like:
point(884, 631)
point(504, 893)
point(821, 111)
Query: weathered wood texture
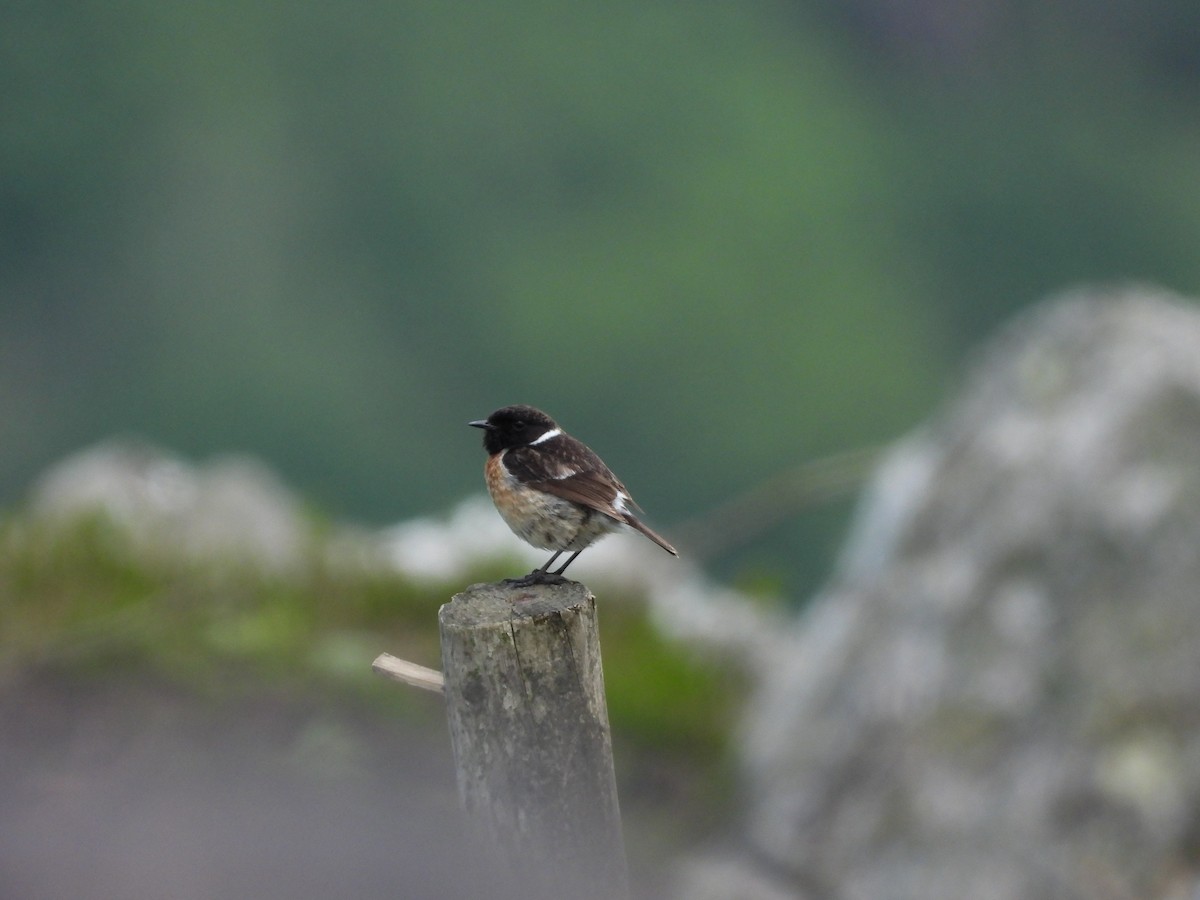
point(408, 672)
point(529, 728)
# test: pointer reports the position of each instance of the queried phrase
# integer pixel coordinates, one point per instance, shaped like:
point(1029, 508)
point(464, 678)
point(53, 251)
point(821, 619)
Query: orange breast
point(542, 519)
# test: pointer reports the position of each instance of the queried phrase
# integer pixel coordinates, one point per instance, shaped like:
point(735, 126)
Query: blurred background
point(714, 240)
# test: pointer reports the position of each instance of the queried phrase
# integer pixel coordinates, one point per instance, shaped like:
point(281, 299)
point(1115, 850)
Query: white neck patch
point(549, 435)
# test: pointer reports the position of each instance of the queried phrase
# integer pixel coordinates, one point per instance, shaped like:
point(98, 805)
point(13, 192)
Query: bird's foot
point(537, 576)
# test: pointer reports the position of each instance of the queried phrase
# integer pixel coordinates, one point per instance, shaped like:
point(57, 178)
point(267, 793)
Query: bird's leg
point(563, 567)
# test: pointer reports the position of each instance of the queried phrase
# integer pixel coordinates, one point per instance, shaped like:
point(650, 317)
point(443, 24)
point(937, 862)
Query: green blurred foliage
point(80, 601)
point(712, 239)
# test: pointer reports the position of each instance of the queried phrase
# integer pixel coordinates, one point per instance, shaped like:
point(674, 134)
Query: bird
point(552, 490)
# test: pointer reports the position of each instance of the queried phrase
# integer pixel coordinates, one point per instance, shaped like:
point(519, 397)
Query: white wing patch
point(619, 502)
point(548, 436)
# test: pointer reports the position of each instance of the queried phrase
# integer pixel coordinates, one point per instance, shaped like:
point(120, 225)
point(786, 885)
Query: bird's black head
point(513, 426)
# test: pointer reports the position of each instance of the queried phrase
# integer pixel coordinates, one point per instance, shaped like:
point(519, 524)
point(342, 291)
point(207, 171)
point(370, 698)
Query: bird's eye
point(518, 425)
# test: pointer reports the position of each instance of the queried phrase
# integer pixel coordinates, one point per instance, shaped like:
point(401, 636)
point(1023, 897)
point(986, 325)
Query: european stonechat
point(552, 490)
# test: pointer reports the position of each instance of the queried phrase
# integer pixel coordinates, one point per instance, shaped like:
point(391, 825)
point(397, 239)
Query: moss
point(82, 595)
point(672, 713)
point(662, 693)
point(82, 600)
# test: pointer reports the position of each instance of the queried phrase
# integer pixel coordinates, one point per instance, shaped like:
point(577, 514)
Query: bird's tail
point(633, 522)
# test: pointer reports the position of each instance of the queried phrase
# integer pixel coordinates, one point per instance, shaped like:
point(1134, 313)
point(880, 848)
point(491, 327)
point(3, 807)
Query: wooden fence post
point(529, 729)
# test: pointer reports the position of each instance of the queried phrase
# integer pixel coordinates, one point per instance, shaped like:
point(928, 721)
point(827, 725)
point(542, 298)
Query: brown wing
point(568, 468)
point(600, 494)
point(589, 489)
point(571, 470)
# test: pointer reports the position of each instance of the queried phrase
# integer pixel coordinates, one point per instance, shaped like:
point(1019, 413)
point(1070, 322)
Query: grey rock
point(230, 510)
point(996, 696)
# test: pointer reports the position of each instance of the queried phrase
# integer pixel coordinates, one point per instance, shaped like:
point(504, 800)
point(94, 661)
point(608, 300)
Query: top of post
point(495, 603)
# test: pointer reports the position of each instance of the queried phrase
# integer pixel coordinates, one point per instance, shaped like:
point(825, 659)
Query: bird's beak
point(479, 423)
